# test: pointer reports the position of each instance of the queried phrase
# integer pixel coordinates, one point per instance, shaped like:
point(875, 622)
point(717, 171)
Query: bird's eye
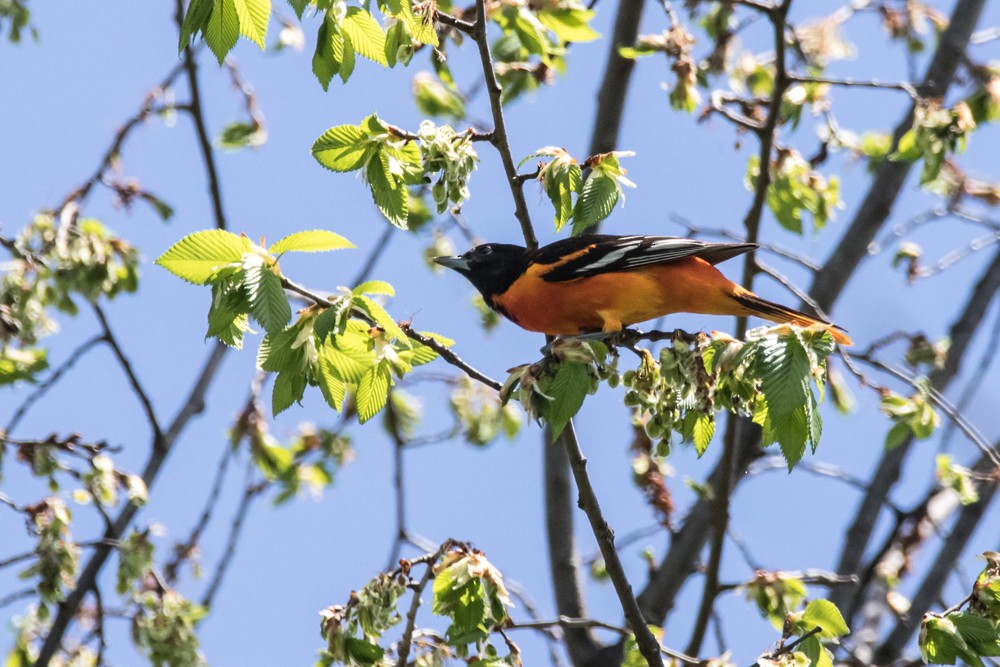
point(485, 250)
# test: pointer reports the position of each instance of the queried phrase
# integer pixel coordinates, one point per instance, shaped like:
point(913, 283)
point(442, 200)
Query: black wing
point(601, 253)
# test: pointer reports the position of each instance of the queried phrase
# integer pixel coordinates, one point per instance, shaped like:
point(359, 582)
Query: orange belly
point(608, 302)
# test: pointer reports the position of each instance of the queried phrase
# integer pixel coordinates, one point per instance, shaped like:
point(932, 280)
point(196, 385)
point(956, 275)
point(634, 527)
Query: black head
point(491, 267)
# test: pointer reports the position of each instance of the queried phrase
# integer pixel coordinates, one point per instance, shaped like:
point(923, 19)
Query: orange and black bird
point(604, 283)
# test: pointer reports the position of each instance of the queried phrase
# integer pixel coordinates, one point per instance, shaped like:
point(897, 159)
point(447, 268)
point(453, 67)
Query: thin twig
point(133, 379)
point(411, 615)
point(907, 88)
point(251, 491)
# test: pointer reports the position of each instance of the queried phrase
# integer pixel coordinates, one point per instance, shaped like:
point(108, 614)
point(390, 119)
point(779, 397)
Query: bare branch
point(499, 135)
point(649, 647)
point(907, 88)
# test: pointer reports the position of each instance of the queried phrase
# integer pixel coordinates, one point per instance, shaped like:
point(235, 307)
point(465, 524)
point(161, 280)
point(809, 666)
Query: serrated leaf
point(333, 318)
point(390, 195)
point(227, 316)
point(289, 386)
point(375, 287)
point(222, 28)
point(421, 27)
point(366, 34)
point(299, 6)
point(268, 303)
point(568, 389)
point(316, 240)
point(194, 21)
point(331, 383)
point(347, 357)
point(198, 257)
point(254, 17)
point(597, 200)
point(276, 352)
point(373, 391)
point(382, 318)
point(343, 148)
point(324, 63)
point(343, 49)
point(825, 615)
point(704, 429)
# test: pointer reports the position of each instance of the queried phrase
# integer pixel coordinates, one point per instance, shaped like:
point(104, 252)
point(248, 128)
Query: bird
point(602, 283)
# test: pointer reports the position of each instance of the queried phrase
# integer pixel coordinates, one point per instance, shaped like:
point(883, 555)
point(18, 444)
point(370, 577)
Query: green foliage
point(676, 44)
point(601, 191)
point(958, 478)
point(435, 98)
point(165, 627)
point(387, 161)
point(222, 22)
point(912, 417)
point(561, 178)
point(135, 560)
point(56, 556)
point(776, 595)
point(371, 612)
point(16, 15)
point(346, 343)
point(937, 133)
point(481, 415)
point(944, 640)
point(452, 158)
point(768, 378)
point(796, 188)
point(52, 263)
point(470, 591)
point(554, 388)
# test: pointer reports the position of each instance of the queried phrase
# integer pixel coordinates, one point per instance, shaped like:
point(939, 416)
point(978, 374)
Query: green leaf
point(362, 651)
point(289, 387)
point(704, 429)
point(227, 316)
point(325, 65)
point(897, 435)
point(373, 391)
point(331, 383)
point(198, 257)
point(316, 240)
point(381, 318)
point(568, 389)
point(278, 352)
point(333, 318)
point(596, 202)
point(268, 303)
point(390, 194)
point(819, 656)
point(194, 21)
point(254, 17)
point(299, 6)
point(347, 357)
point(421, 27)
point(422, 354)
point(569, 24)
point(343, 51)
point(375, 287)
point(222, 29)
point(824, 615)
point(366, 34)
point(343, 148)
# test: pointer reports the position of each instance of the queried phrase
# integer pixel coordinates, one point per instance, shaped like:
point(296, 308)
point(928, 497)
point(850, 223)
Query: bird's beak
point(457, 263)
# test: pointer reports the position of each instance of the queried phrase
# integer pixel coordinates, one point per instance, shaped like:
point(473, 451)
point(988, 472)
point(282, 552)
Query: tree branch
point(649, 647)
point(890, 175)
point(499, 136)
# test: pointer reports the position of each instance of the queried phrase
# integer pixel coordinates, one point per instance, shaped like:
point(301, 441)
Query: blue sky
point(65, 97)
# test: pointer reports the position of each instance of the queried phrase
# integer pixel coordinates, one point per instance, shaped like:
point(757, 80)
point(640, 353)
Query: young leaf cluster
point(796, 189)
point(937, 133)
point(390, 160)
point(481, 415)
point(165, 628)
point(347, 342)
point(769, 378)
point(52, 264)
point(676, 43)
point(561, 179)
point(912, 417)
point(467, 590)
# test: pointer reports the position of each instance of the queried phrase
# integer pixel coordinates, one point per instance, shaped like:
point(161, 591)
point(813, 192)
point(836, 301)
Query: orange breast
point(612, 300)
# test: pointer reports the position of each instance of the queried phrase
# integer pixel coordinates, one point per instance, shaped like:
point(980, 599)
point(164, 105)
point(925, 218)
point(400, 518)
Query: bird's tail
point(774, 312)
